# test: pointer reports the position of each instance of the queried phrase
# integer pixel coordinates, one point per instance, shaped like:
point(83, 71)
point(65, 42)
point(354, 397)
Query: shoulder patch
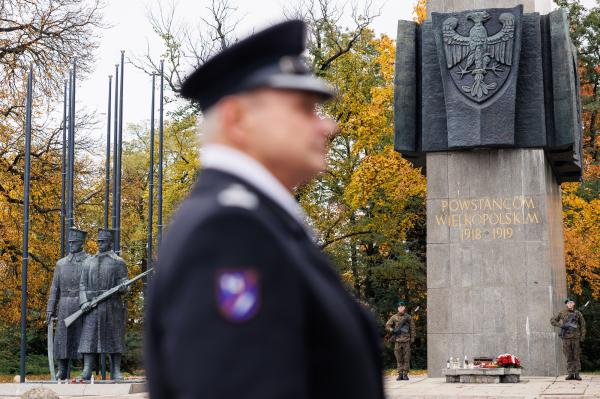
point(239, 196)
point(237, 293)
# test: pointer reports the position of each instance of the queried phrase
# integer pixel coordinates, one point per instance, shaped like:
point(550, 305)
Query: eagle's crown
point(478, 16)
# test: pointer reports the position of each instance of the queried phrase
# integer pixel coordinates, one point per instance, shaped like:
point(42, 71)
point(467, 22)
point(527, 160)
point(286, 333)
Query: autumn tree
point(581, 202)
point(46, 34)
point(368, 207)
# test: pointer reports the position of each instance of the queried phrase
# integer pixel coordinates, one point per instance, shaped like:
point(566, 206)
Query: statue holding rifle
point(103, 328)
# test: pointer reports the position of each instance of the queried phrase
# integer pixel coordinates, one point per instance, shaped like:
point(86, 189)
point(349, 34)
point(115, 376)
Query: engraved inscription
point(487, 218)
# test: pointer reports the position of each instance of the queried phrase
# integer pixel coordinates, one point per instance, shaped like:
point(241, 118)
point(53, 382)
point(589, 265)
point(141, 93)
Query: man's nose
point(328, 128)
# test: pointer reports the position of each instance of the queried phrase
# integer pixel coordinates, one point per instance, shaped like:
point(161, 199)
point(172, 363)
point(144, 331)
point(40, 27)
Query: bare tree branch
point(327, 40)
point(185, 47)
point(48, 34)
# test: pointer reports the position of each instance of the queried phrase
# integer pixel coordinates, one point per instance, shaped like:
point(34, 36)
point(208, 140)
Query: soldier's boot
point(115, 366)
point(88, 366)
point(405, 375)
point(569, 377)
point(400, 373)
point(576, 377)
point(63, 365)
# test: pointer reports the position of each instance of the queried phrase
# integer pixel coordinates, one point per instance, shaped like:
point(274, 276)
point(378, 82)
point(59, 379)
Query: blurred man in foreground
point(243, 303)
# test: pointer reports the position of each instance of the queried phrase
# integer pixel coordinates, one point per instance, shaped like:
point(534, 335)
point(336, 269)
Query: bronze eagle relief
point(479, 51)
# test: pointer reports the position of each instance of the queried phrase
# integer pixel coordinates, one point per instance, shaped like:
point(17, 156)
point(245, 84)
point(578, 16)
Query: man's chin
point(318, 166)
point(311, 173)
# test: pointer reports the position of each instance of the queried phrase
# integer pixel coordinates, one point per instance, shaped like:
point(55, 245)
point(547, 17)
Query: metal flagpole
point(160, 157)
point(120, 153)
point(116, 149)
point(63, 170)
point(151, 178)
point(71, 157)
point(71, 206)
point(107, 167)
point(25, 254)
point(69, 144)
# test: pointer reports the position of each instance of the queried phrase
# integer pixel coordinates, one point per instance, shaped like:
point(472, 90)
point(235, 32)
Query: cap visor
point(307, 83)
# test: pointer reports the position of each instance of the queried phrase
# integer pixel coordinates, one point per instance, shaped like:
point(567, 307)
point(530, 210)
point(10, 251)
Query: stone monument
point(487, 102)
point(63, 301)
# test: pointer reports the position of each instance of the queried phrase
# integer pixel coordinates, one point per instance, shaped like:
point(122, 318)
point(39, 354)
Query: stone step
point(104, 390)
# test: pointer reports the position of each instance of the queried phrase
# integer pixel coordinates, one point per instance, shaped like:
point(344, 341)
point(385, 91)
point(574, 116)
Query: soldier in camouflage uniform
point(572, 332)
point(402, 327)
point(64, 300)
point(103, 328)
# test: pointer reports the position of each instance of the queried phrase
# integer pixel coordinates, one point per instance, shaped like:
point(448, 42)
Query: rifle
point(105, 295)
point(569, 324)
point(402, 329)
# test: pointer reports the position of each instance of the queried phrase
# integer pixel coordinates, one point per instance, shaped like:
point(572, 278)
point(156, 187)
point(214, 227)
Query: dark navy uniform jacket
point(306, 338)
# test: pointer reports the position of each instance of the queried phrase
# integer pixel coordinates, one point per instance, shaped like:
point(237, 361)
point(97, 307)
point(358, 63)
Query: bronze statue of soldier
point(64, 300)
point(103, 329)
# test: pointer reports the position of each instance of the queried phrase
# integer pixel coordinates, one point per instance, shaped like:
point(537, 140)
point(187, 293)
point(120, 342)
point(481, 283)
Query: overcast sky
point(130, 31)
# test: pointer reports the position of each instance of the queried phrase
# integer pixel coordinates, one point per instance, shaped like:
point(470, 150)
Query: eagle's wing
point(500, 45)
point(456, 46)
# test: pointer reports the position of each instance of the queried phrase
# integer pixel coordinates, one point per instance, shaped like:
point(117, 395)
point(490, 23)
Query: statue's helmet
point(105, 235)
point(77, 235)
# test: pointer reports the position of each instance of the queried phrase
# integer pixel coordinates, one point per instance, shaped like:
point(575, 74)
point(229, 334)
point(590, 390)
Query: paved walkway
point(421, 387)
point(529, 388)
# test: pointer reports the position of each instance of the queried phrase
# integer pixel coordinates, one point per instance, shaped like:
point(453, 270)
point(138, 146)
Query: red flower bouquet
point(509, 361)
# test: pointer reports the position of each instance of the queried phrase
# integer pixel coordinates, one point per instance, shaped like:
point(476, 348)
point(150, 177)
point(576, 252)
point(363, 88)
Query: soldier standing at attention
point(243, 303)
point(402, 327)
point(572, 332)
point(64, 295)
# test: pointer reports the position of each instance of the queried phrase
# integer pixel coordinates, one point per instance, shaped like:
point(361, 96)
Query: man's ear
point(231, 111)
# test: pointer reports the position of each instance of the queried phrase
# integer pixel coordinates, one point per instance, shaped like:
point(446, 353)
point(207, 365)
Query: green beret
point(401, 303)
point(569, 300)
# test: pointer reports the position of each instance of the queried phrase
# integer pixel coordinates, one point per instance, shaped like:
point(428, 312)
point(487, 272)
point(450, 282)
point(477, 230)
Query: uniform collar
point(105, 253)
point(78, 255)
point(229, 160)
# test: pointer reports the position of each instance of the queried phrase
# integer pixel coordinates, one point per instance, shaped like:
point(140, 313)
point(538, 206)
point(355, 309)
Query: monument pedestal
point(483, 376)
point(495, 263)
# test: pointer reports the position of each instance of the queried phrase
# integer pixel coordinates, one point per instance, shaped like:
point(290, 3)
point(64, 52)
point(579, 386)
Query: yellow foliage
point(420, 11)
point(581, 222)
point(385, 181)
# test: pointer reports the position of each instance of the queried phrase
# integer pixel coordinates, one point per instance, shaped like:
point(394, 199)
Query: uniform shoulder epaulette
point(237, 195)
point(116, 257)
